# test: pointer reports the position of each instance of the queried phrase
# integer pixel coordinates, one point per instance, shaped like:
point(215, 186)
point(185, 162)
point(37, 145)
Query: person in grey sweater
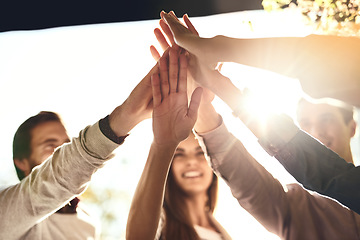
point(54, 170)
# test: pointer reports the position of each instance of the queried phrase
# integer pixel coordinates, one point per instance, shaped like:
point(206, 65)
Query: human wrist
point(166, 146)
point(122, 121)
point(208, 119)
point(105, 128)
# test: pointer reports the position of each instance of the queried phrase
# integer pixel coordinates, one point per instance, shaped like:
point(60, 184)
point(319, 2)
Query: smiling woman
point(189, 165)
point(191, 187)
point(100, 64)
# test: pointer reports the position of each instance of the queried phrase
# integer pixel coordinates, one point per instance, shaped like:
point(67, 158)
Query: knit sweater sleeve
point(50, 185)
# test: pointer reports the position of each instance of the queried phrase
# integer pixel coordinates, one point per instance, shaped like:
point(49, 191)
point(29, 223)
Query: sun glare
point(266, 92)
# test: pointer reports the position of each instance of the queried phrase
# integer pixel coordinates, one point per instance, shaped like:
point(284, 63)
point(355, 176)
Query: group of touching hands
point(165, 91)
point(173, 84)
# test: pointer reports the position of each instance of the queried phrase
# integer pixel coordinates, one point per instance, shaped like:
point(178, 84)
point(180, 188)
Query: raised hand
point(201, 68)
point(207, 95)
point(179, 32)
point(186, 37)
point(173, 118)
point(161, 38)
point(137, 107)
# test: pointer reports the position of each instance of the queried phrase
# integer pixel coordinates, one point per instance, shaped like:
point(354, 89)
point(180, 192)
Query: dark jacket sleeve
point(311, 163)
point(320, 169)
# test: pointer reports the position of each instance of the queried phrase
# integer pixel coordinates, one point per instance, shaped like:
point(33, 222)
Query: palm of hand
point(171, 121)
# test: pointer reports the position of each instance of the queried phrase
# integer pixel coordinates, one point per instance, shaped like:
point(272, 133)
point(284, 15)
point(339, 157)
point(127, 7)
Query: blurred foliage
point(335, 17)
point(110, 207)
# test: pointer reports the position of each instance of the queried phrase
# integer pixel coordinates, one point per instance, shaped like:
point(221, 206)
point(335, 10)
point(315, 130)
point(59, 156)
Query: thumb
point(195, 103)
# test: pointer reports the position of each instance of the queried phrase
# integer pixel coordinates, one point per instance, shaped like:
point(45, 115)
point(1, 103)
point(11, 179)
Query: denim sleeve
point(320, 169)
point(311, 163)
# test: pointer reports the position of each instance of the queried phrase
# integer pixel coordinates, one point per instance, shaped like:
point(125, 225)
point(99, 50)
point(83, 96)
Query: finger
point(174, 24)
point(166, 52)
point(156, 89)
point(147, 79)
point(182, 85)
point(154, 53)
point(189, 24)
point(162, 13)
point(195, 103)
point(164, 77)
point(175, 18)
point(173, 70)
point(161, 38)
point(166, 29)
point(172, 13)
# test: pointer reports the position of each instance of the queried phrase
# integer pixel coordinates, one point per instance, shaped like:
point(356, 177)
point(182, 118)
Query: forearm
point(227, 92)
point(236, 100)
point(208, 118)
point(136, 108)
point(330, 67)
point(274, 54)
point(52, 184)
point(147, 202)
point(122, 121)
point(313, 60)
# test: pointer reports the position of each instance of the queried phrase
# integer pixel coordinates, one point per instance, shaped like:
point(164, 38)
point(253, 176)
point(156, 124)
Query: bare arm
point(137, 107)
point(147, 202)
point(326, 66)
point(172, 122)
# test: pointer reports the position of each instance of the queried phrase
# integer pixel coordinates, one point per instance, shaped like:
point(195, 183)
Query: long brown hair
point(178, 225)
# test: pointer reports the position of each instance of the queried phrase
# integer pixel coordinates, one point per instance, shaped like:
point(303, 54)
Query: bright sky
point(84, 72)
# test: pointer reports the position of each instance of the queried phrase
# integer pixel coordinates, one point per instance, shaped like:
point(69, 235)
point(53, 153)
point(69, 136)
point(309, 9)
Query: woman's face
point(190, 168)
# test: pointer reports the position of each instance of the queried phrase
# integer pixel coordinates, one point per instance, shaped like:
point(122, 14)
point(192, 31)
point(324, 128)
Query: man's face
point(325, 123)
point(45, 138)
